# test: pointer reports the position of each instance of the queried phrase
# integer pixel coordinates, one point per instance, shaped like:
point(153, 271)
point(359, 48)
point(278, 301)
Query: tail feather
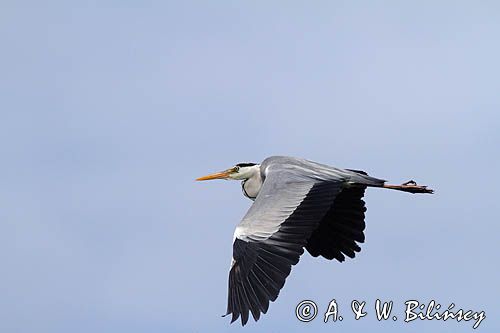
point(360, 177)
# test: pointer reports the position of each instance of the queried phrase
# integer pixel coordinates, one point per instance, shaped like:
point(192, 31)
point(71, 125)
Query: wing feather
point(271, 237)
point(341, 227)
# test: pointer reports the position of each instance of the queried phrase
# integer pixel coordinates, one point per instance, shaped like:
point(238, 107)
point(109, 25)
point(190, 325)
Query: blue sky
point(110, 109)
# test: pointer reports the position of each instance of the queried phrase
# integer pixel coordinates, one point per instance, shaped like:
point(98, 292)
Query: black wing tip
point(235, 318)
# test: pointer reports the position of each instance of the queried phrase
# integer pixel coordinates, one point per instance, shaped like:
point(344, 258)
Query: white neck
point(252, 181)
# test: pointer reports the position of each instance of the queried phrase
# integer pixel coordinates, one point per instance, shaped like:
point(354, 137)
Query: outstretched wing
point(341, 228)
point(272, 235)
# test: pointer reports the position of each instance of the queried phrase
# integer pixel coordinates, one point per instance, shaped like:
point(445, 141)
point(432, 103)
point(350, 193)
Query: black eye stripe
point(245, 164)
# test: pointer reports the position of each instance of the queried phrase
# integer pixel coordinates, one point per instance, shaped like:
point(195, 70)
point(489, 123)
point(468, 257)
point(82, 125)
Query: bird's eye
point(236, 168)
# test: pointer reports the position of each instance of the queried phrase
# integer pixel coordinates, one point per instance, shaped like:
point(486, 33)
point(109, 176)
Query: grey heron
point(297, 204)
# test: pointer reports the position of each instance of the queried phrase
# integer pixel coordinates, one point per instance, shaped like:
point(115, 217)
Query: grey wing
point(287, 180)
point(273, 233)
point(323, 171)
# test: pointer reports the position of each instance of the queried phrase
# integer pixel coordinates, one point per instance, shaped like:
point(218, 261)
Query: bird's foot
point(412, 187)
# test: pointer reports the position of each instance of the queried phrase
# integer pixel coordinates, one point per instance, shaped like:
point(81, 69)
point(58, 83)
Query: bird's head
point(240, 171)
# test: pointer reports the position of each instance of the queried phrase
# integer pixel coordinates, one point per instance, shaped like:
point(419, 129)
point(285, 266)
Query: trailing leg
point(410, 186)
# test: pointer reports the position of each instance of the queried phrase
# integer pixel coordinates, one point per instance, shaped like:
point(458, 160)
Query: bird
point(297, 204)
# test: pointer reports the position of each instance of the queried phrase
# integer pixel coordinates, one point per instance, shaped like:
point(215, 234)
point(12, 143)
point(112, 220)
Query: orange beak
point(217, 175)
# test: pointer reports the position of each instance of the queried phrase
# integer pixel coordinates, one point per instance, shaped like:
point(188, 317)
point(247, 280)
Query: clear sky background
point(110, 109)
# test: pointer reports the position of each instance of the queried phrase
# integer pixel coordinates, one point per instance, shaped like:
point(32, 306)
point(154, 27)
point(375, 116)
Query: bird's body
point(297, 204)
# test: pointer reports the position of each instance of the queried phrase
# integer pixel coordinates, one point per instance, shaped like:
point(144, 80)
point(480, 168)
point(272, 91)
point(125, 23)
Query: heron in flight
point(297, 204)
